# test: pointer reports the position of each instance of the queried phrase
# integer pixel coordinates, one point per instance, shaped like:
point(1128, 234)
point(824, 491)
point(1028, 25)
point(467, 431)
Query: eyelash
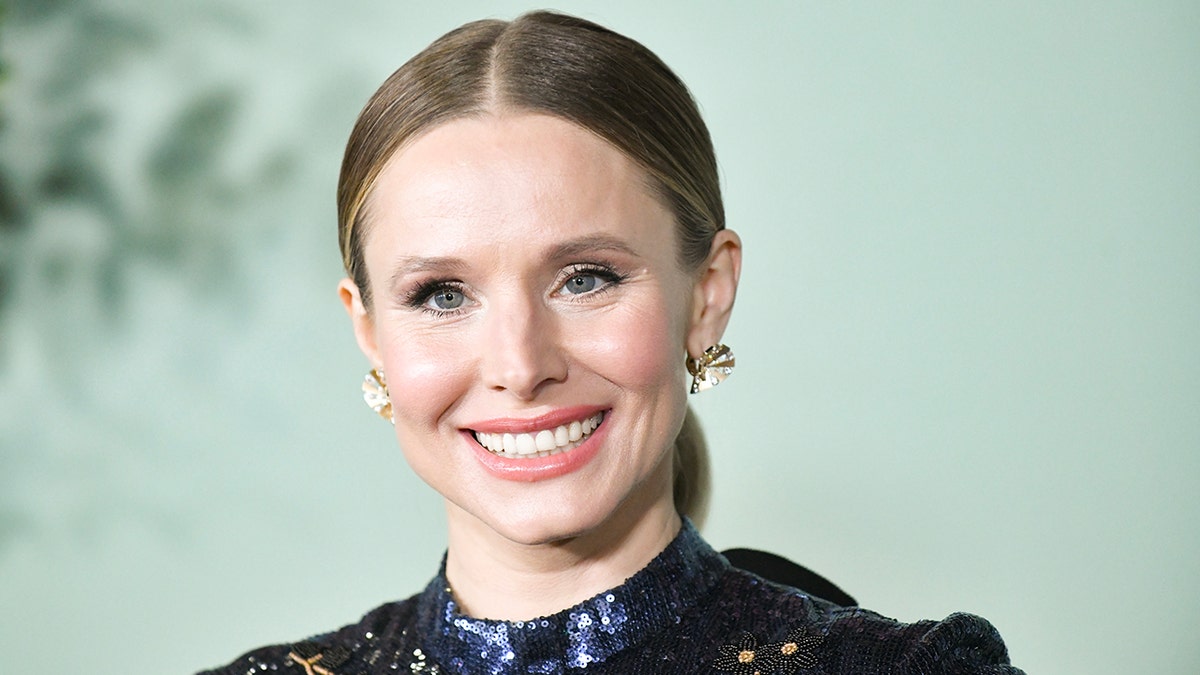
point(605, 273)
point(419, 297)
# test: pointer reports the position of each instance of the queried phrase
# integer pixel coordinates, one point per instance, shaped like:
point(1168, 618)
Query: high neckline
point(611, 621)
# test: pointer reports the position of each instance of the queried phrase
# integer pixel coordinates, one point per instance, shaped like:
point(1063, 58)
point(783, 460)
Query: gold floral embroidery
point(746, 657)
point(317, 660)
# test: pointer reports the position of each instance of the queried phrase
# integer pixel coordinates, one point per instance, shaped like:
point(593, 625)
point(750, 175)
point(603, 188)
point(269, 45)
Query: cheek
point(640, 345)
point(426, 375)
point(425, 381)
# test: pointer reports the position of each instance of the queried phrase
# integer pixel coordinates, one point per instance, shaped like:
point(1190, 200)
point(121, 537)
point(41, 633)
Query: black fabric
point(787, 573)
point(689, 611)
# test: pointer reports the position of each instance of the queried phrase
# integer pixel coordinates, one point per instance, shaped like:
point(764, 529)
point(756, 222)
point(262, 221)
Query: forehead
point(504, 177)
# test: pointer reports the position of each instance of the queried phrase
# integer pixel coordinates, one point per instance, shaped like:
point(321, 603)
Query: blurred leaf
point(102, 39)
point(194, 141)
point(35, 10)
point(74, 180)
point(278, 168)
point(11, 212)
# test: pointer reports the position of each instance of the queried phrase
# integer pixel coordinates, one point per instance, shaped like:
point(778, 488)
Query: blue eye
point(581, 283)
point(446, 299)
point(439, 297)
point(588, 279)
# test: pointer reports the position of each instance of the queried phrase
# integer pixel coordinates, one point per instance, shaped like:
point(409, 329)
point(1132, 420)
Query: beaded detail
point(318, 660)
point(745, 657)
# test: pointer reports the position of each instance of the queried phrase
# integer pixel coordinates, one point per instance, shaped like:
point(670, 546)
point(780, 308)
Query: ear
point(714, 292)
point(360, 320)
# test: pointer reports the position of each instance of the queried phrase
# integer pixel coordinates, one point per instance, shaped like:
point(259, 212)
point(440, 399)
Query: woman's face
point(531, 317)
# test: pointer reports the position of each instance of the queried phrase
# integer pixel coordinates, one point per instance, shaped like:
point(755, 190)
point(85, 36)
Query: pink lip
point(538, 468)
point(550, 420)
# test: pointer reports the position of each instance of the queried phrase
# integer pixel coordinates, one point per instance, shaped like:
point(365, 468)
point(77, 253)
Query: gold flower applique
point(318, 660)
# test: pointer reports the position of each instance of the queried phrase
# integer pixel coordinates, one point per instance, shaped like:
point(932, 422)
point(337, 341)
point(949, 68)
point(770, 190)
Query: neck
point(496, 578)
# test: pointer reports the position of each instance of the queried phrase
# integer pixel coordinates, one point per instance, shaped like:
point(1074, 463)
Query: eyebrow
point(410, 264)
point(588, 244)
point(406, 265)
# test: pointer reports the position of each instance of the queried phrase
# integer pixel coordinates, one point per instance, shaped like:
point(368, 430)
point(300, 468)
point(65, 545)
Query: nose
point(521, 350)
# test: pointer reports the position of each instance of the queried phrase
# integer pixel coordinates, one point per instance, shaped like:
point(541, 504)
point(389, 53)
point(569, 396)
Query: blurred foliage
point(126, 158)
point(82, 196)
point(9, 215)
point(53, 161)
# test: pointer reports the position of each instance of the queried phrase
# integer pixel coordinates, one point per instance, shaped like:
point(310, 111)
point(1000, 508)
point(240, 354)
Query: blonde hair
point(573, 69)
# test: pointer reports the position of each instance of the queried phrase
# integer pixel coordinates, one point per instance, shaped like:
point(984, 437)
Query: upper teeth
point(540, 443)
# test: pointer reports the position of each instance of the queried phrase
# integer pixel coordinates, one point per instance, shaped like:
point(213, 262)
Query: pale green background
point(968, 334)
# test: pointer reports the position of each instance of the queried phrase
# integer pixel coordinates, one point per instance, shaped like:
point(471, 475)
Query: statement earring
point(375, 393)
point(713, 366)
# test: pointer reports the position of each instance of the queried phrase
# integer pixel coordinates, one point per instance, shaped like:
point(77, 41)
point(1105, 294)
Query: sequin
point(580, 637)
point(318, 660)
point(687, 612)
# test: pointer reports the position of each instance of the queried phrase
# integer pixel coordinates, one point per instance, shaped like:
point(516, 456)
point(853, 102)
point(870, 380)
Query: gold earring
point(713, 366)
point(375, 393)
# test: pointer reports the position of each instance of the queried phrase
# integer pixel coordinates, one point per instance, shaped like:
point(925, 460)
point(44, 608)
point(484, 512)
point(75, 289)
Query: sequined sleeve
point(377, 643)
point(262, 660)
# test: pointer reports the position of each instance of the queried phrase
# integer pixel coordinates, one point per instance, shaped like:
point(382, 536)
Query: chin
point(554, 519)
point(542, 526)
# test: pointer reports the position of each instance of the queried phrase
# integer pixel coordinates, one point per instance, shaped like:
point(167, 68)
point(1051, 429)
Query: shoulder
point(381, 633)
point(863, 641)
point(788, 629)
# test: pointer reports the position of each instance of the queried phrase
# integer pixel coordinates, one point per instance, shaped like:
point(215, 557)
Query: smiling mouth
point(541, 443)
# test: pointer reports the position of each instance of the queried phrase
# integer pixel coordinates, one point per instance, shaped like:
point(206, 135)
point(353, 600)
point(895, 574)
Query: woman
point(531, 221)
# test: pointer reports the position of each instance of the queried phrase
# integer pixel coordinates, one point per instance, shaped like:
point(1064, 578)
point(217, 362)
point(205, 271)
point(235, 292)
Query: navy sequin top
point(688, 611)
